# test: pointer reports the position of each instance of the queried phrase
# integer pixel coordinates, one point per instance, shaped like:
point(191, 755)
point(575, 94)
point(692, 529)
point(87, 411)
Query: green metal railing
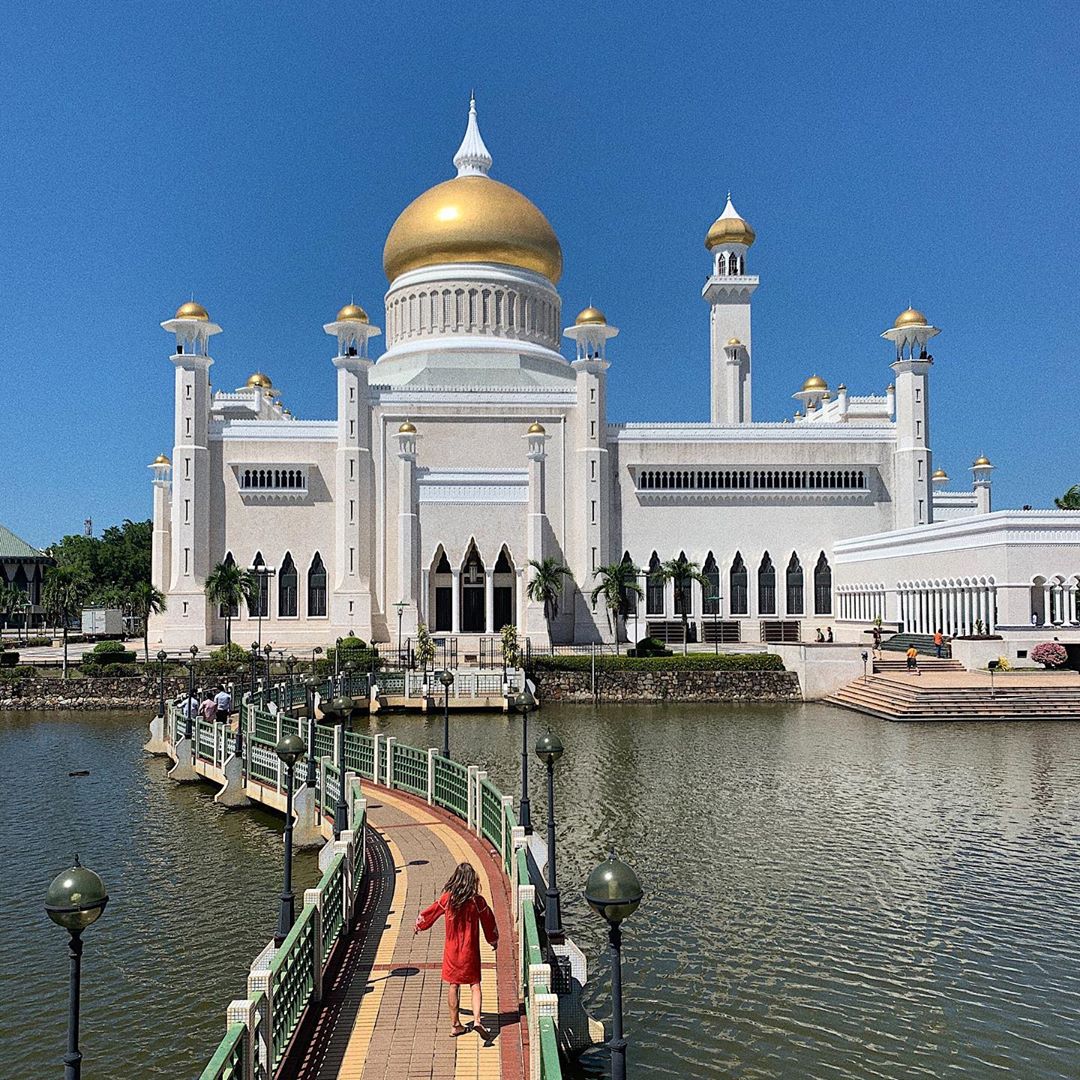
point(229, 1061)
point(452, 786)
point(292, 981)
point(333, 910)
point(491, 813)
point(410, 769)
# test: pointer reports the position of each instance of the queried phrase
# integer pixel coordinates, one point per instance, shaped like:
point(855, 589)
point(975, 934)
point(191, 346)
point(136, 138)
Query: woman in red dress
point(466, 912)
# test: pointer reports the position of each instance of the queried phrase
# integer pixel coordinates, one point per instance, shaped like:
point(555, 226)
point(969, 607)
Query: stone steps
point(926, 663)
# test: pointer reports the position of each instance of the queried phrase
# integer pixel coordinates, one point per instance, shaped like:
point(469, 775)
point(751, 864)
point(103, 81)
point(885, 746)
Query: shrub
point(8, 659)
point(20, 671)
point(1050, 654)
point(36, 642)
point(113, 656)
point(690, 662)
point(107, 647)
point(650, 646)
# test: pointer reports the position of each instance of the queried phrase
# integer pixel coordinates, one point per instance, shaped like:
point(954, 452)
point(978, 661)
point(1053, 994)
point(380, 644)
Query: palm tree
point(11, 600)
point(682, 571)
point(546, 585)
point(618, 581)
point(145, 601)
point(1070, 500)
point(227, 584)
point(62, 598)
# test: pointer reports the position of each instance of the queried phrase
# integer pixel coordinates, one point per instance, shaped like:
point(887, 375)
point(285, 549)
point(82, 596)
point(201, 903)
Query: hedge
point(8, 659)
point(97, 660)
point(690, 662)
point(20, 671)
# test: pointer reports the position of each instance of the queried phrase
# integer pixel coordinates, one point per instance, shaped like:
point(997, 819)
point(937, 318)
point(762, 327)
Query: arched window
point(794, 586)
point(684, 601)
point(260, 601)
point(654, 588)
point(630, 598)
point(287, 588)
point(822, 586)
point(316, 587)
point(766, 586)
point(229, 611)
point(710, 600)
point(721, 263)
point(740, 587)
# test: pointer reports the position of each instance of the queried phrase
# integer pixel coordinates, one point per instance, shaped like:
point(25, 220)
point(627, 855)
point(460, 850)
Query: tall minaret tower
point(728, 291)
point(351, 605)
point(912, 498)
point(187, 620)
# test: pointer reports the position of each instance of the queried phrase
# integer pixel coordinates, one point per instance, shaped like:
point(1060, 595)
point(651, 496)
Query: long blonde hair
point(463, 885)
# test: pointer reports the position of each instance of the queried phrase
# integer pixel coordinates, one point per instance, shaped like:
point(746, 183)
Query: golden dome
point(815, 382)
point(735, 341)
point(260, 380)
point(352, 313)
point(161, 459)
point(940, 474)
point(981, 460)
point(191, 310)
point(729, 228)
point(590, 316)
point(472, 219)
point(536, 428)
point(407, 428)
point(910, 317)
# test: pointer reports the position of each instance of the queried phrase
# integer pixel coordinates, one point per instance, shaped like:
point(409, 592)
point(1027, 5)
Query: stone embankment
point(645, 686)
point(78, 693)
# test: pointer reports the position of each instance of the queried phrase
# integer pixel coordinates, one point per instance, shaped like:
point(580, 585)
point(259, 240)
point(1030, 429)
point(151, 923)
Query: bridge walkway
point(384, 1015)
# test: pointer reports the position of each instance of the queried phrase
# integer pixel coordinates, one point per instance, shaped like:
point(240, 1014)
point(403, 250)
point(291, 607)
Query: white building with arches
point(475, 443)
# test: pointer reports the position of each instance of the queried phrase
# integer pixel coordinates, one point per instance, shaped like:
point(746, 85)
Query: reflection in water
point(826, 895)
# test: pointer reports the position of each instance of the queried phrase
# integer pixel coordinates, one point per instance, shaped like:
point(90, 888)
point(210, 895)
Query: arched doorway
point(503, 608)
point(443, 584)
point(472, 593)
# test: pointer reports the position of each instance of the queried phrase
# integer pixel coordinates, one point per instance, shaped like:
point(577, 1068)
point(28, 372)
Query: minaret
point(536, 439)
point(188, 617)
point(587, 547)
point(912, 498)
point(159, 550)
point(728, 291)
point(981, 469)
point(408, 527)
point(351, 603)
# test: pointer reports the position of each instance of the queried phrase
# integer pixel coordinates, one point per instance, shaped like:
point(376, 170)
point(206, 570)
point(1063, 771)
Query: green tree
point(112, 565)
point(618, 582)
point(424, 650)
point(1070, 500)
point(145, 601)
point(229, 585)
point(682, 571)
point(11, 600)
point(62, 598)
point(547, 584)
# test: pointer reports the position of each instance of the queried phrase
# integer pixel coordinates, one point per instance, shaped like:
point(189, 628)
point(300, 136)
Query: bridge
point(351, 992)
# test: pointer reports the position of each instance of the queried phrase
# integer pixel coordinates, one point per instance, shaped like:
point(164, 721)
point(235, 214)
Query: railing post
point(260, 982)
point(314, 898)
point(481, 776)
point(376, 755)
point(507, 804)
point(517, 838)
point(470, 791)
point(432, 754)
point(321, 803)
point(526, 894)
point(242, 1011)
point(390, 740)
point(544, 1005)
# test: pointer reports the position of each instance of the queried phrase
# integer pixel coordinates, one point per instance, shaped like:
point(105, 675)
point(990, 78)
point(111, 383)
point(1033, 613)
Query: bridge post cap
point(340, 708)
point(76, 897)
point(613, 890)
point(447, 677)
point(549, 748)
point(290, 749)
point(523, 702)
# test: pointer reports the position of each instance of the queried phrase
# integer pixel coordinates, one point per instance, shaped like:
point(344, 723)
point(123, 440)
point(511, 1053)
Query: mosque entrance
point(472, 596)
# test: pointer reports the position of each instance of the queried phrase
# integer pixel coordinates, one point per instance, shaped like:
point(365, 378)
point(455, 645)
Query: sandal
point(458, 1030)
point(482, 1031)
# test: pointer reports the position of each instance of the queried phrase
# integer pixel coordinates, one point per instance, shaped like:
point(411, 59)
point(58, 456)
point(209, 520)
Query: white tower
point(187, 618)
point(588, 548)
point(913, 500)
point(981, 468)
point(728, 291)
point(536, 626)
point(161, 467)
point(352, 606)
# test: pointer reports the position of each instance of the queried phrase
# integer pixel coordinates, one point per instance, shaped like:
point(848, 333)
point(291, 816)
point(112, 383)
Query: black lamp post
point(401, 605)
point(525, 703)
point(338, 712)
point(189, 718)
point(162, 656)
point(254, 665)
point(337, 658)
point(290, 750)
point(75, 899)
point(317, 651)
point(266, 652)
point(614, 892)
point(290, 666)
point(312, 773)
point(865, 657)
point(549, 749)
point(447, 679)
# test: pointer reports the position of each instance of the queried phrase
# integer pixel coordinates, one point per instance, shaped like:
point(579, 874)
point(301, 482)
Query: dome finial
point(472, 158)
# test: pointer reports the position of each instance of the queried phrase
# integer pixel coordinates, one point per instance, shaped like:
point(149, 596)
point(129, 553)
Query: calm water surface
point(826, 895)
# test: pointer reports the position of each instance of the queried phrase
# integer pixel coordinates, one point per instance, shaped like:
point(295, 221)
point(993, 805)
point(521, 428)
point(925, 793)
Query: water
point(826, 895)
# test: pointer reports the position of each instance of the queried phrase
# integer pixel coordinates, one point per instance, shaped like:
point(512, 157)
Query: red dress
point(461, 953)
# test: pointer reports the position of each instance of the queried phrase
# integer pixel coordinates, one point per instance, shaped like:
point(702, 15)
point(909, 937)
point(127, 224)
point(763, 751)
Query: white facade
point(472, 445)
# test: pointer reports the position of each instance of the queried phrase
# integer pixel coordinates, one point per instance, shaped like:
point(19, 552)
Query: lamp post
point(317, 651)
point(865, 657)
point(254, 665)
point(447, 680)
point(614, 892)
point(312, 775)
point(338, 713)
point(189, 719)
point(75, 899)
point(289, 750)
point(290, 667)
point(401, 605)
point(337, 657)
point(162, 656)
point(992, 666)
point(266, 652)
point(525, 703)
point(549, 749)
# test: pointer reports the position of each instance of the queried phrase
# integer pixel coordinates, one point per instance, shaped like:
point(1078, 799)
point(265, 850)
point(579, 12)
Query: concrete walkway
point(384, 1014)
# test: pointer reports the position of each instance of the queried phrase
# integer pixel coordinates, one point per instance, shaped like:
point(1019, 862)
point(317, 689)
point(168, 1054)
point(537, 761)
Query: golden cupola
point(472, 219)
point(729, 228)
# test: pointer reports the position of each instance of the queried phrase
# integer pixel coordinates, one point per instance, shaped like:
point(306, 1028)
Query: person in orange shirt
point(939, 642)
point(913, 660)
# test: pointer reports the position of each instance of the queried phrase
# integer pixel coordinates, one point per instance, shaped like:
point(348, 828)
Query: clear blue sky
point(257, 155)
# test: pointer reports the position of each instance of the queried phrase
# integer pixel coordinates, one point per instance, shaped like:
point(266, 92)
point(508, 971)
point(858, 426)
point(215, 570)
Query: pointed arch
point(472, 584)
point(228, 611)
point(822, 586)
point(654, 587)
point(710, 600)
point(442, 591)
point(794, 586)
point(739, 586)
point(316, 588)
point(288, 592)
point(766, 585)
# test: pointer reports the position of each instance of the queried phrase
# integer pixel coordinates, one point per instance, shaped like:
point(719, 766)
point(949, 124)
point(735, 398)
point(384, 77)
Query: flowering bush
point(1049, 654)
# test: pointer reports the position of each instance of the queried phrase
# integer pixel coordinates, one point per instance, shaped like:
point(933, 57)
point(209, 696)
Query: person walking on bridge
point(466, 911)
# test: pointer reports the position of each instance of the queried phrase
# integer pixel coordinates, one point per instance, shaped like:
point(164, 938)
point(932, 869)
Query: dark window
point(654, 588)
point(740, 587)
point(260, 601)
point(794, 586)
point(822, 586)
point(766, 586)
point(710, 601)
point(630, 598)
point(229, 611)
point(287, 587)
point(684, 603)
point(316, 587)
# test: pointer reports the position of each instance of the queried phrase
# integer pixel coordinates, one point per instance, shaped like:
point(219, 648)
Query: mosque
point(471, 446)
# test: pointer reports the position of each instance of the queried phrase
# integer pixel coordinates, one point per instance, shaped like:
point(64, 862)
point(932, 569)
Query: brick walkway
point(384, 1014)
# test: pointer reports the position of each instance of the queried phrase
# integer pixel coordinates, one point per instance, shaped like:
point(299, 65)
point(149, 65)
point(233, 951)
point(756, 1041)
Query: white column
point(455, 602)
point(489, 600)
point(519, 599)
point(991, 622)
point(423, 601)
point(1046, 604)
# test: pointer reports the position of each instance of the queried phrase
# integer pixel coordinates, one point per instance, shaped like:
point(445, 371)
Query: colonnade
point(863, 603)
point(955, 607)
